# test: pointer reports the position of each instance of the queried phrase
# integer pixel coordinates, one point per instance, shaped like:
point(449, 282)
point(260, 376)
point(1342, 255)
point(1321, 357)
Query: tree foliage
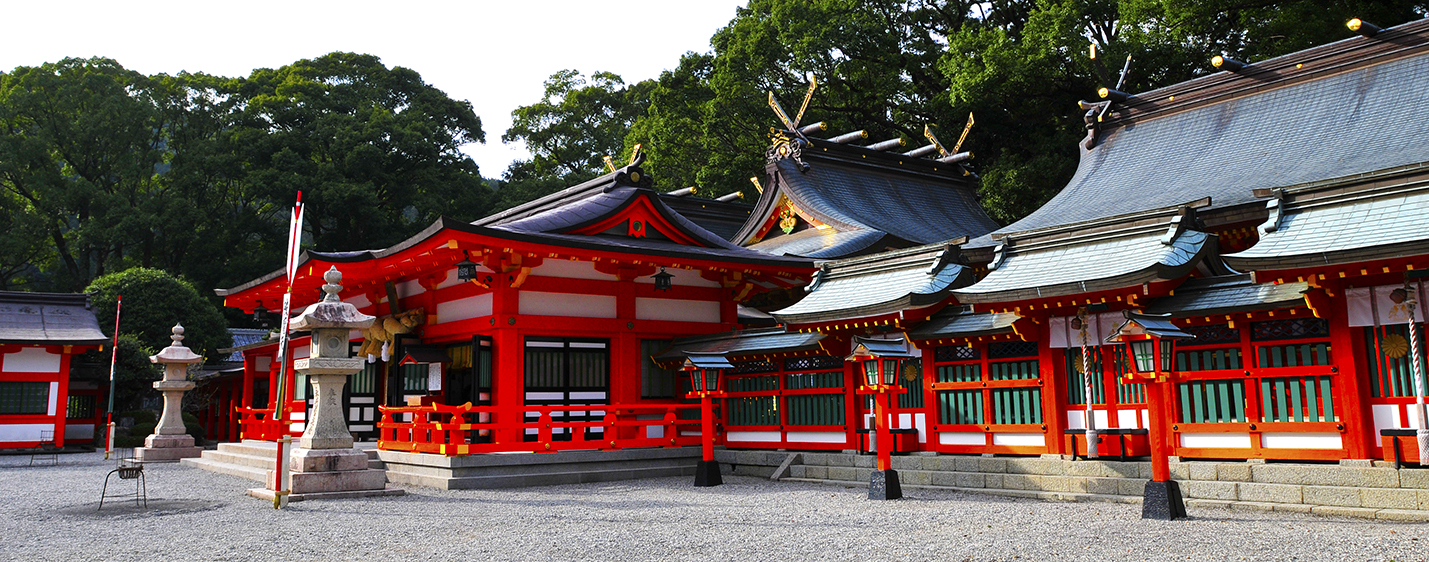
point(154, 302)
point(892, 66)
point(103, 168)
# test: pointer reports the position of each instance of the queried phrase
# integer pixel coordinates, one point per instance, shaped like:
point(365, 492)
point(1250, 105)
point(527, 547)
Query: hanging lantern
point(260, 315)
point(662, 280)
point(704, 369)
point(1149, 341)
point(881, 359)
point(466, 269)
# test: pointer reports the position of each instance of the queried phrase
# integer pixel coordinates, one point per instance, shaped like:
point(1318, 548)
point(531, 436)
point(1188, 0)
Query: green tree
point(375, 150)
point(569, 132)
point(154, 302)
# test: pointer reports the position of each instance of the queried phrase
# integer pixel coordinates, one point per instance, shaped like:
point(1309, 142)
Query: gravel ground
point(49, 514)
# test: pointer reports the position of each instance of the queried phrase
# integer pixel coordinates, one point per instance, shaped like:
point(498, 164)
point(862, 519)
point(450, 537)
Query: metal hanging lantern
point(466, 269)
point(260, 314)
point(662, 280)
point(881, 359)
point(704, 369)
point(1149, 342)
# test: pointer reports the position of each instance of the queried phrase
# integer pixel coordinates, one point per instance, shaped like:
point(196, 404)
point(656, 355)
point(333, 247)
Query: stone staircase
point(253, 459)
point(1364, 489)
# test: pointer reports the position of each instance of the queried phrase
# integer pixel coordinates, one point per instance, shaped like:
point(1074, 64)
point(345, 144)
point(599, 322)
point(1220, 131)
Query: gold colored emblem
point(1394, 346)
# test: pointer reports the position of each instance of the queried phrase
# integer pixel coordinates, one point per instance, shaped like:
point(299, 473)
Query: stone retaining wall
point(1352, 488)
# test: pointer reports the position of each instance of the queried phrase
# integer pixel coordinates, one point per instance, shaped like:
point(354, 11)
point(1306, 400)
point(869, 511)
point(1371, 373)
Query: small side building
point(40, 335)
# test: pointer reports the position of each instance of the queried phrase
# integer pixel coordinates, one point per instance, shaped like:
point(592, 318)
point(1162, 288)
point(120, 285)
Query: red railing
point(446, 430)
point(258, 424)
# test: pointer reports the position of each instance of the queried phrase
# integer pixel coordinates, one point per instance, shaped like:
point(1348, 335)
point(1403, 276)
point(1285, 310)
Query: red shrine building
point(1276, 212)
point(46, 396)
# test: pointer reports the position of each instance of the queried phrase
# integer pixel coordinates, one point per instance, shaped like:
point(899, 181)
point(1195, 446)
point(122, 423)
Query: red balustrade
point(447, 430)
point(258, 424)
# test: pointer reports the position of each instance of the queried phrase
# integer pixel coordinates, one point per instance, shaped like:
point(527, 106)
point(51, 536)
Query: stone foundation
point(167, 448)
point(1351, 488)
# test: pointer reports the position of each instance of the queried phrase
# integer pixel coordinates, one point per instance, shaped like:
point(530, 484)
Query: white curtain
point(1372, 306)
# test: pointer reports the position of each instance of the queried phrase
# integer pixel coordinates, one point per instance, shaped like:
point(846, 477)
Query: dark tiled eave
point(1226, 295)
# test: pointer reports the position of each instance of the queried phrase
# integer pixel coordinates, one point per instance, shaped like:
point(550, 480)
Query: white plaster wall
point(1077, 419)
point(1129, 418)
point(816, 436)
point(677, 310)
point(1019, 439)
point(571, 270)
point(565, 304)
point(54, 398)
point(359, 301)
point(23, 431)
point(31, 360)
point(1386, 416)
point(962, 438)
point(302, 352)
point(1301, 441)
point(409, 288)
point(1216, 440)
point(464, 308)
point(759, 436)
point(682, 277)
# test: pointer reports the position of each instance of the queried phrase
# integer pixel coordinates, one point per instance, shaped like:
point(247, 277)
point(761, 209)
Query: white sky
point(495, 54)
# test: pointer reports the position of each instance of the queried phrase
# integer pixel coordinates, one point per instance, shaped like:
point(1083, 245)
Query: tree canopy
point(103, 168)
point(892, 66)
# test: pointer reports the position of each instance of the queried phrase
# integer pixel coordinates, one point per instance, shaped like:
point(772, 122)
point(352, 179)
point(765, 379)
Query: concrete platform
point(266, 494)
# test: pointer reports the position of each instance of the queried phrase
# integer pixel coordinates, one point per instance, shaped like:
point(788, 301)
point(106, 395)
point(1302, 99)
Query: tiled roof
point(1355, 226)
point(243, 337)
point(872, 200)
point(724, 218)
point(746, 342)
point(821, 243)
point(1079, 266)
point(879, 284)
point(1221, 295)
point(954, 322)
point(1267, 135)
point(48, 318)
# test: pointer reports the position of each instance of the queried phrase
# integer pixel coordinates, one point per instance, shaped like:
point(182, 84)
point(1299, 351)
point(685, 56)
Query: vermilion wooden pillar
point(1352, 384)
point(1054, 392)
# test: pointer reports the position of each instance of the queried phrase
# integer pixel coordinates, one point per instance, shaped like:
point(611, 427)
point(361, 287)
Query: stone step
point(1031, 494)
point(252, 448)
point(518, 479)
point(242, 471)
point(264, 462)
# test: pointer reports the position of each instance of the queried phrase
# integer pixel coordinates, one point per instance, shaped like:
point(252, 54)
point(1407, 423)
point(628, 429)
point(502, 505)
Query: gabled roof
point(1333, 111)
point(865, 200)
point(1229, 293)
point(744, 342)
point(1381, 217)
point(723, 218)
point(954, 322)
point(48, 319)
point(883, 283)
point(616, 213)
point(1100, 260)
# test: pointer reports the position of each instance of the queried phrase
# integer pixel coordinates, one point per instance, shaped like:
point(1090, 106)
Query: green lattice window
point(24, 398)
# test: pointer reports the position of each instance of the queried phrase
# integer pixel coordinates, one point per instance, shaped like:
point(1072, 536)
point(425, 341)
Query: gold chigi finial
point(609, 164)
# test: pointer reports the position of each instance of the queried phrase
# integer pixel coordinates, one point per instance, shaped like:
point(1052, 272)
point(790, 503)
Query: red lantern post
point(1149, 342)
point(704, 370)
point(880, 361)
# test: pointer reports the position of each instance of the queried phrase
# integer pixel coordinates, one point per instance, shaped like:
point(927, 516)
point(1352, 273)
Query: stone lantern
point(325, 464)
point(171, 441)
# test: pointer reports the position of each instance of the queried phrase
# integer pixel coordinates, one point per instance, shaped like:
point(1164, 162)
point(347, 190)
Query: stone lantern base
point(331, 473)
point(167, 448)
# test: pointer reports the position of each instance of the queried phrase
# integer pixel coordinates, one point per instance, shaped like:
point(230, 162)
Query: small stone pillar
point(171, 441)
point(325, 464)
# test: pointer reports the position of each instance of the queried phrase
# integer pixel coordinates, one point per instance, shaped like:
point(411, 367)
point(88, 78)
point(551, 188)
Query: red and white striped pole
point(280, 415)
point(113, 359)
